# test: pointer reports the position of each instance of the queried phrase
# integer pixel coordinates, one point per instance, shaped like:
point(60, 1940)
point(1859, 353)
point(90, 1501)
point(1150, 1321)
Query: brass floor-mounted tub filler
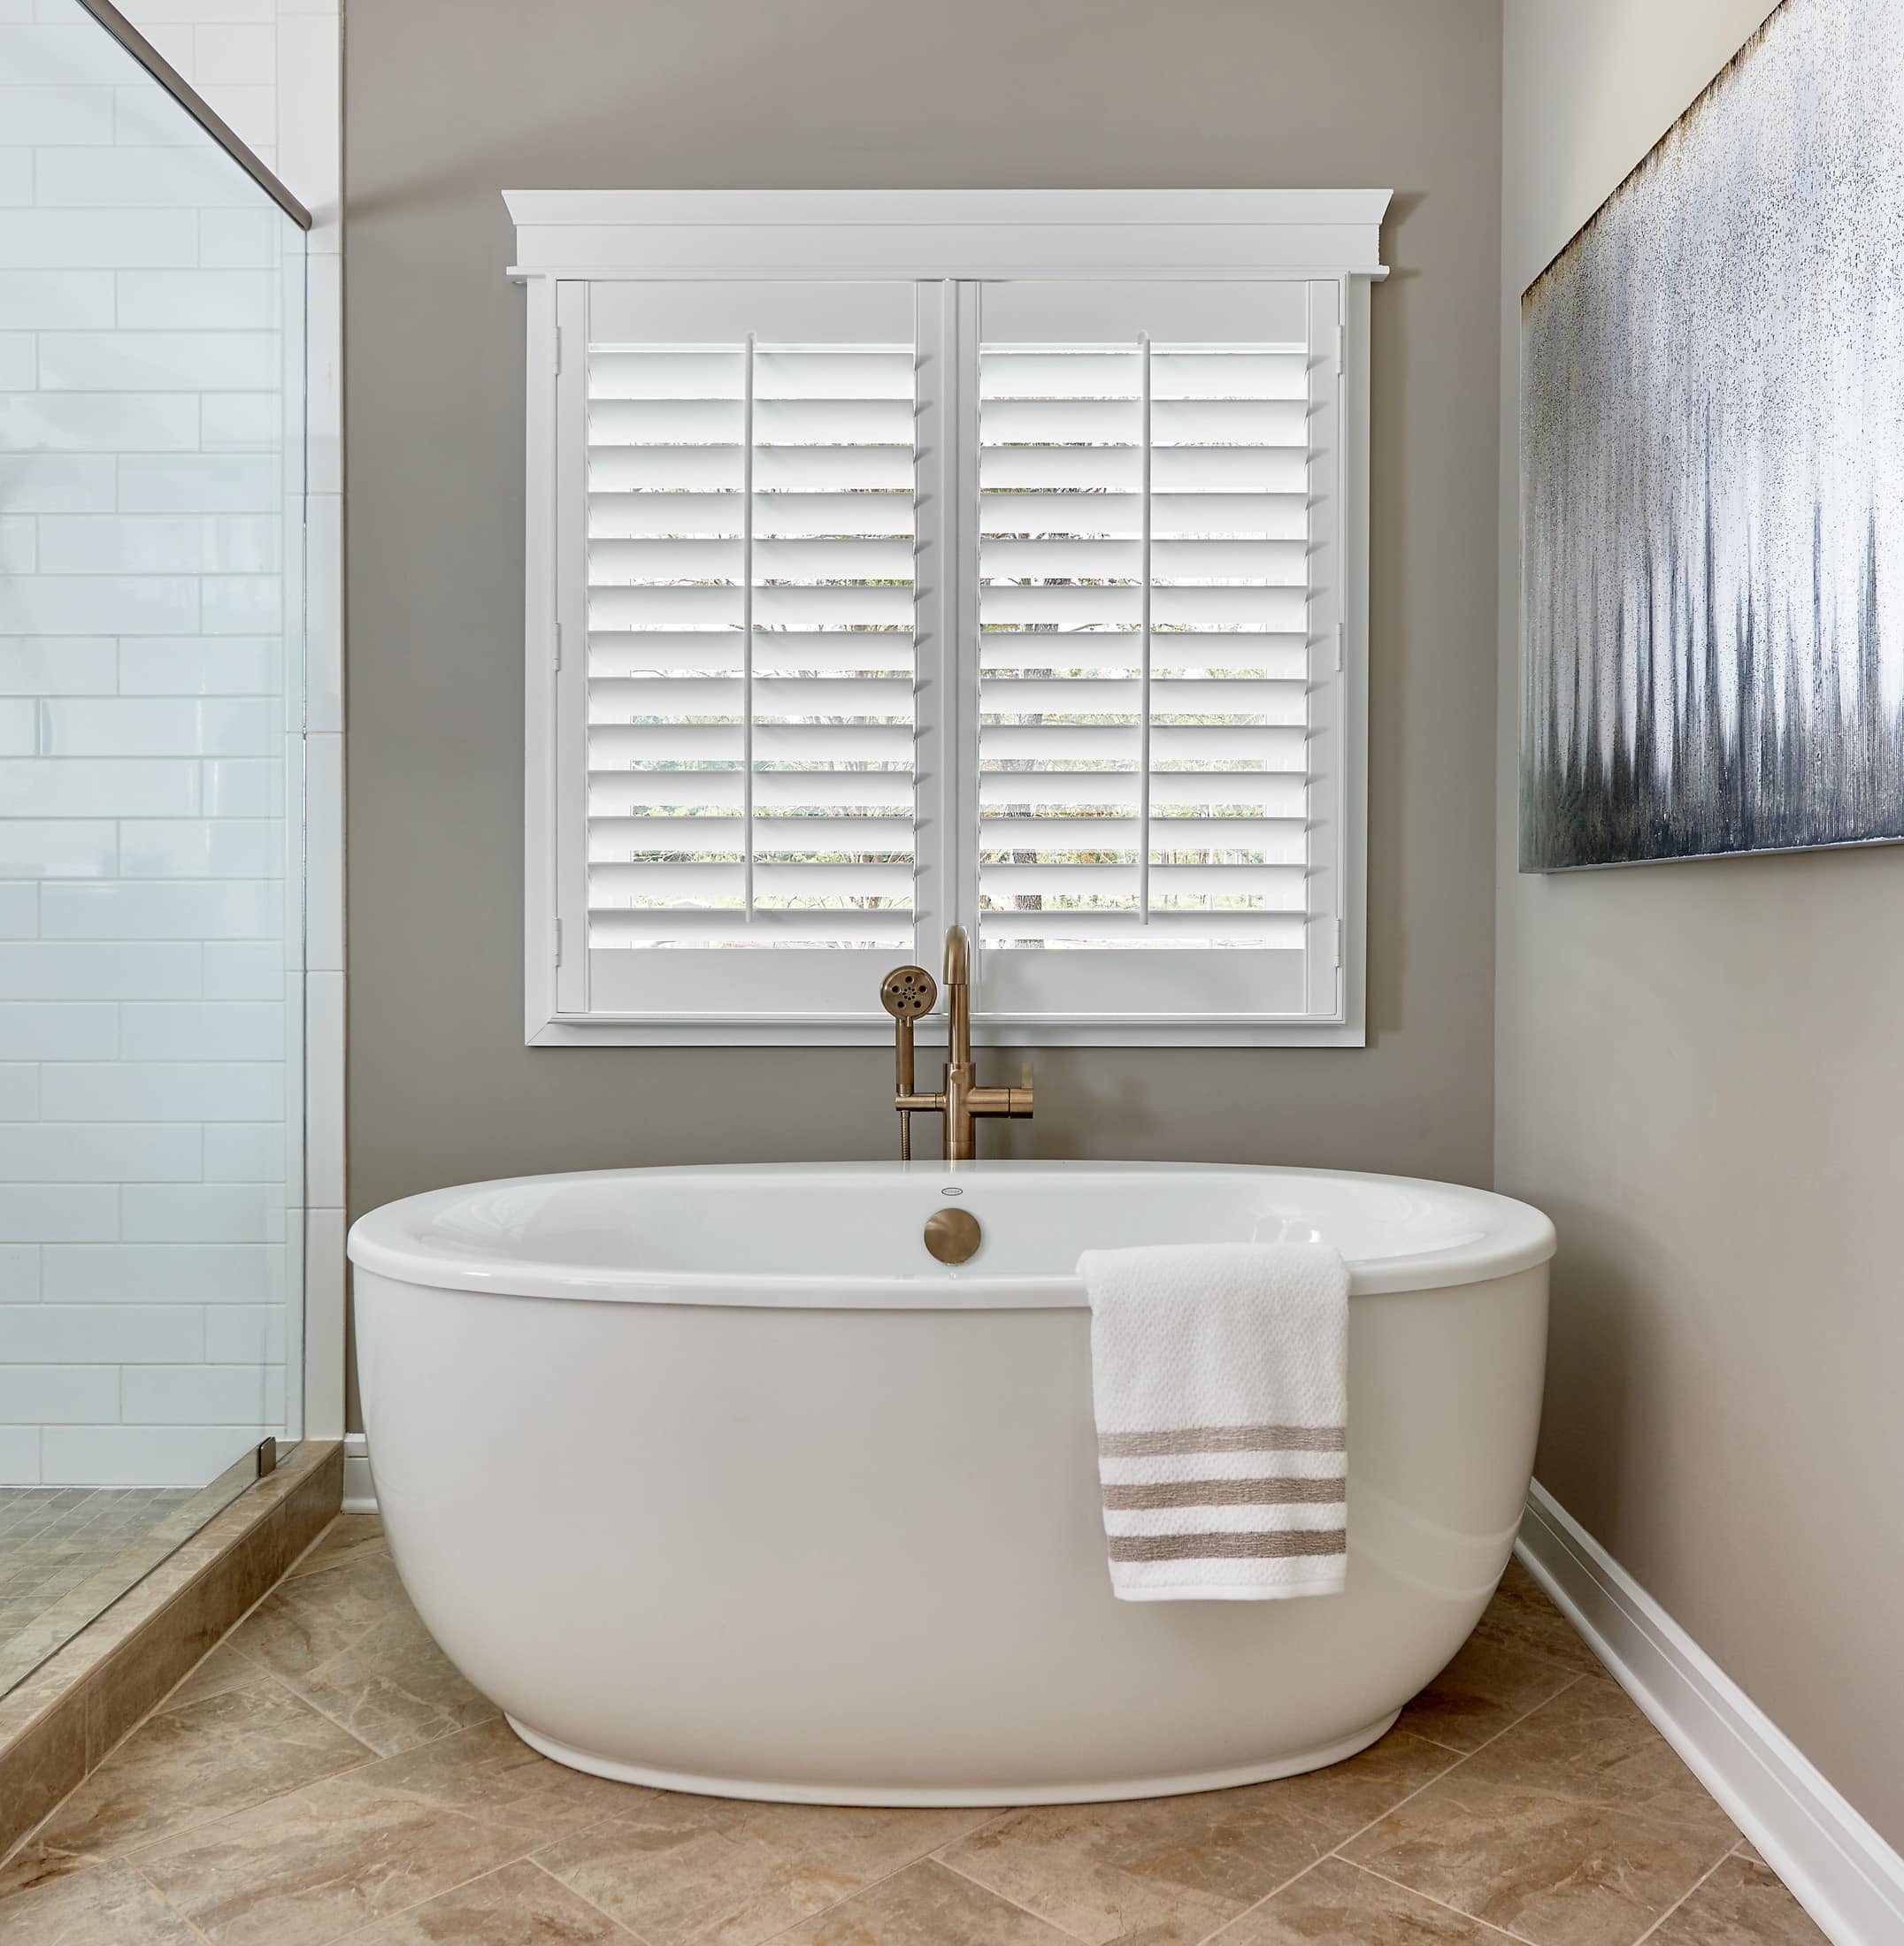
point(908, 994)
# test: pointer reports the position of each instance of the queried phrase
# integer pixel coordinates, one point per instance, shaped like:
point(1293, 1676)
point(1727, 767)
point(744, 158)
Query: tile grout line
point(1461, 1758)
point(133, 1859)
point(376, 1756)
point(1473, 1918)
point(1215, 1939)
point(397, 1912)
point(1659, 1921)
point(536, 1864)
point(380, 1552)
point(272, 1678)
point(620, 1925)
point(463, 1885)
point(922, 1858)
point(526, 1855)
point(1598, 1670)
point(293, 1572)
point(758, 1807)
point(1065, 1931)
point(185, 1919)
point(1336, 1852)
point(532, 1856)
point(1685, 1895)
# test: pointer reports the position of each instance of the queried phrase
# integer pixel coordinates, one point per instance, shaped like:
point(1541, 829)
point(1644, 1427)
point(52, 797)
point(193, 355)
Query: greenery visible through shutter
point(1143, 645)
point(750, 645)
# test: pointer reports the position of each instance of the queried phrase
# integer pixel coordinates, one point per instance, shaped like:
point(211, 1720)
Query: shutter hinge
point(558, 648)
point(560, 332)
point(558, 942)
point(1341, 637)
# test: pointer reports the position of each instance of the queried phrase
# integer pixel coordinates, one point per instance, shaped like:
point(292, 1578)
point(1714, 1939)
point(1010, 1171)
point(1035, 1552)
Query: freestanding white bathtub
point(714, 1479)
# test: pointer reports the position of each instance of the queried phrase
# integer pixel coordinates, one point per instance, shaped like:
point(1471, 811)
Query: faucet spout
point(958, 1002)
point(958, 957)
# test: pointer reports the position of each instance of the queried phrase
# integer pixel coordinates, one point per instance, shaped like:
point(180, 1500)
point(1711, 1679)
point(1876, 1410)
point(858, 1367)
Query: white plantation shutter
point(1156, 518)
point(749, 679)
point(864, 599)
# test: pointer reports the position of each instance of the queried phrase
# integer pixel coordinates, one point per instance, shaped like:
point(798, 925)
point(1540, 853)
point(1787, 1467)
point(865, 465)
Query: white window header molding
point(841, 233)
point(786, 678)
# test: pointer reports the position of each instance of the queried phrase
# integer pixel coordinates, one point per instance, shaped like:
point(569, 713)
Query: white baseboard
point(360, 1490)
point(1837, 1868)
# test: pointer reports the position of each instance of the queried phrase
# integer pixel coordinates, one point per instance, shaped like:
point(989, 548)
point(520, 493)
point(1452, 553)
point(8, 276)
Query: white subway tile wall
point(152, 1230)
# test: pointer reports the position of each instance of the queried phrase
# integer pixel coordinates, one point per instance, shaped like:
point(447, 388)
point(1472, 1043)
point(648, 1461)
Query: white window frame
point(957, 236)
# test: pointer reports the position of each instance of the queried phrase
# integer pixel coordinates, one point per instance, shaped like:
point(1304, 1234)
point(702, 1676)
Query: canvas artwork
point(1712, 434)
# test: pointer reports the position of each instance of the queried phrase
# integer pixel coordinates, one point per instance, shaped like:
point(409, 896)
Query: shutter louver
point(1143, 645)
point(749, 742)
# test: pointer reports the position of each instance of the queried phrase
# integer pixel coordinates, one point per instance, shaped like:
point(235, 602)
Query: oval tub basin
point(714, 1479)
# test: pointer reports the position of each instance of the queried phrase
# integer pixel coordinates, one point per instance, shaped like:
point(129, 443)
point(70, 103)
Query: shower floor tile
point(1521, 1798)
point(66, 1553)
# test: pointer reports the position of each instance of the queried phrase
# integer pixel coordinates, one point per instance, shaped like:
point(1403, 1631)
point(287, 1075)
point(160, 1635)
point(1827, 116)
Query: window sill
point(876, 1031)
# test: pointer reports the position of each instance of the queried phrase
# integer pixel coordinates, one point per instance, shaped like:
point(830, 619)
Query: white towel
point(1220, 1377)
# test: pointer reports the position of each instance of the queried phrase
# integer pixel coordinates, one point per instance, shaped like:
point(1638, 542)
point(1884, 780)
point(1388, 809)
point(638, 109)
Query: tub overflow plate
point(952, 1235)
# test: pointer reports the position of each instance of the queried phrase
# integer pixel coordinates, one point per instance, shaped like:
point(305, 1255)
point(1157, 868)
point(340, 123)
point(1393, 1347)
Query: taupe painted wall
point(1701, 1075)
point(448, 101)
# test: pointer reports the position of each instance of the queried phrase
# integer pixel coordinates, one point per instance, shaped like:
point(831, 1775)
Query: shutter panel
point(1136, 791)
point(1147, 543)
point(750, 679)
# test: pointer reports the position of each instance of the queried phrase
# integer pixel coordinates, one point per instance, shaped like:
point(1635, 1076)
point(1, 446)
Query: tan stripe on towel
point(1246, 1547)
point(1138, 1445)
point(1277, 1492)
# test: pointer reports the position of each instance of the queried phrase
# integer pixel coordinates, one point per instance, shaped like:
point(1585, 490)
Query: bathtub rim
point(384, 1242)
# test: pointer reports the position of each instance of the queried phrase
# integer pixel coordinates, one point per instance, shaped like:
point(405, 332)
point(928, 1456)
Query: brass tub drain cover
point(952, 1235)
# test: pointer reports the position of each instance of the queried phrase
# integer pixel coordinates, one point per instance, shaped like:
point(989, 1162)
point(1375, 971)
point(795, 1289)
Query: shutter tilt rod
point(1143, 731)
point(747, 628)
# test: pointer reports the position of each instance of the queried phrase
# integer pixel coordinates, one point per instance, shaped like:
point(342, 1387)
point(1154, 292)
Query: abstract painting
point(1712, 445)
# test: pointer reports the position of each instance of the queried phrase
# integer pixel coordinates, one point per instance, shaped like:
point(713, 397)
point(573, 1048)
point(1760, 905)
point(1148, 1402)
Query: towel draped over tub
point(1219, 1372)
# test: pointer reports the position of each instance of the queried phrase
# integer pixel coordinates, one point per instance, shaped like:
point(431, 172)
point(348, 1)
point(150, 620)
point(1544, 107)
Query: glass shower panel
point(151, 835)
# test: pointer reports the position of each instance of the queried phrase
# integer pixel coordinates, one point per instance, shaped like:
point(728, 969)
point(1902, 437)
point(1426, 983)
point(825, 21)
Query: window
point(899, 560)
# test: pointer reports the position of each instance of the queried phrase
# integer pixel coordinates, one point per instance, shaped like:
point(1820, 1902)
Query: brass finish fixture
point(908, 991)
point(952, 1235)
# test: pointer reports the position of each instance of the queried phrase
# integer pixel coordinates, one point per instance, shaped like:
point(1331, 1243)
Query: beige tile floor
point(324, 1774)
